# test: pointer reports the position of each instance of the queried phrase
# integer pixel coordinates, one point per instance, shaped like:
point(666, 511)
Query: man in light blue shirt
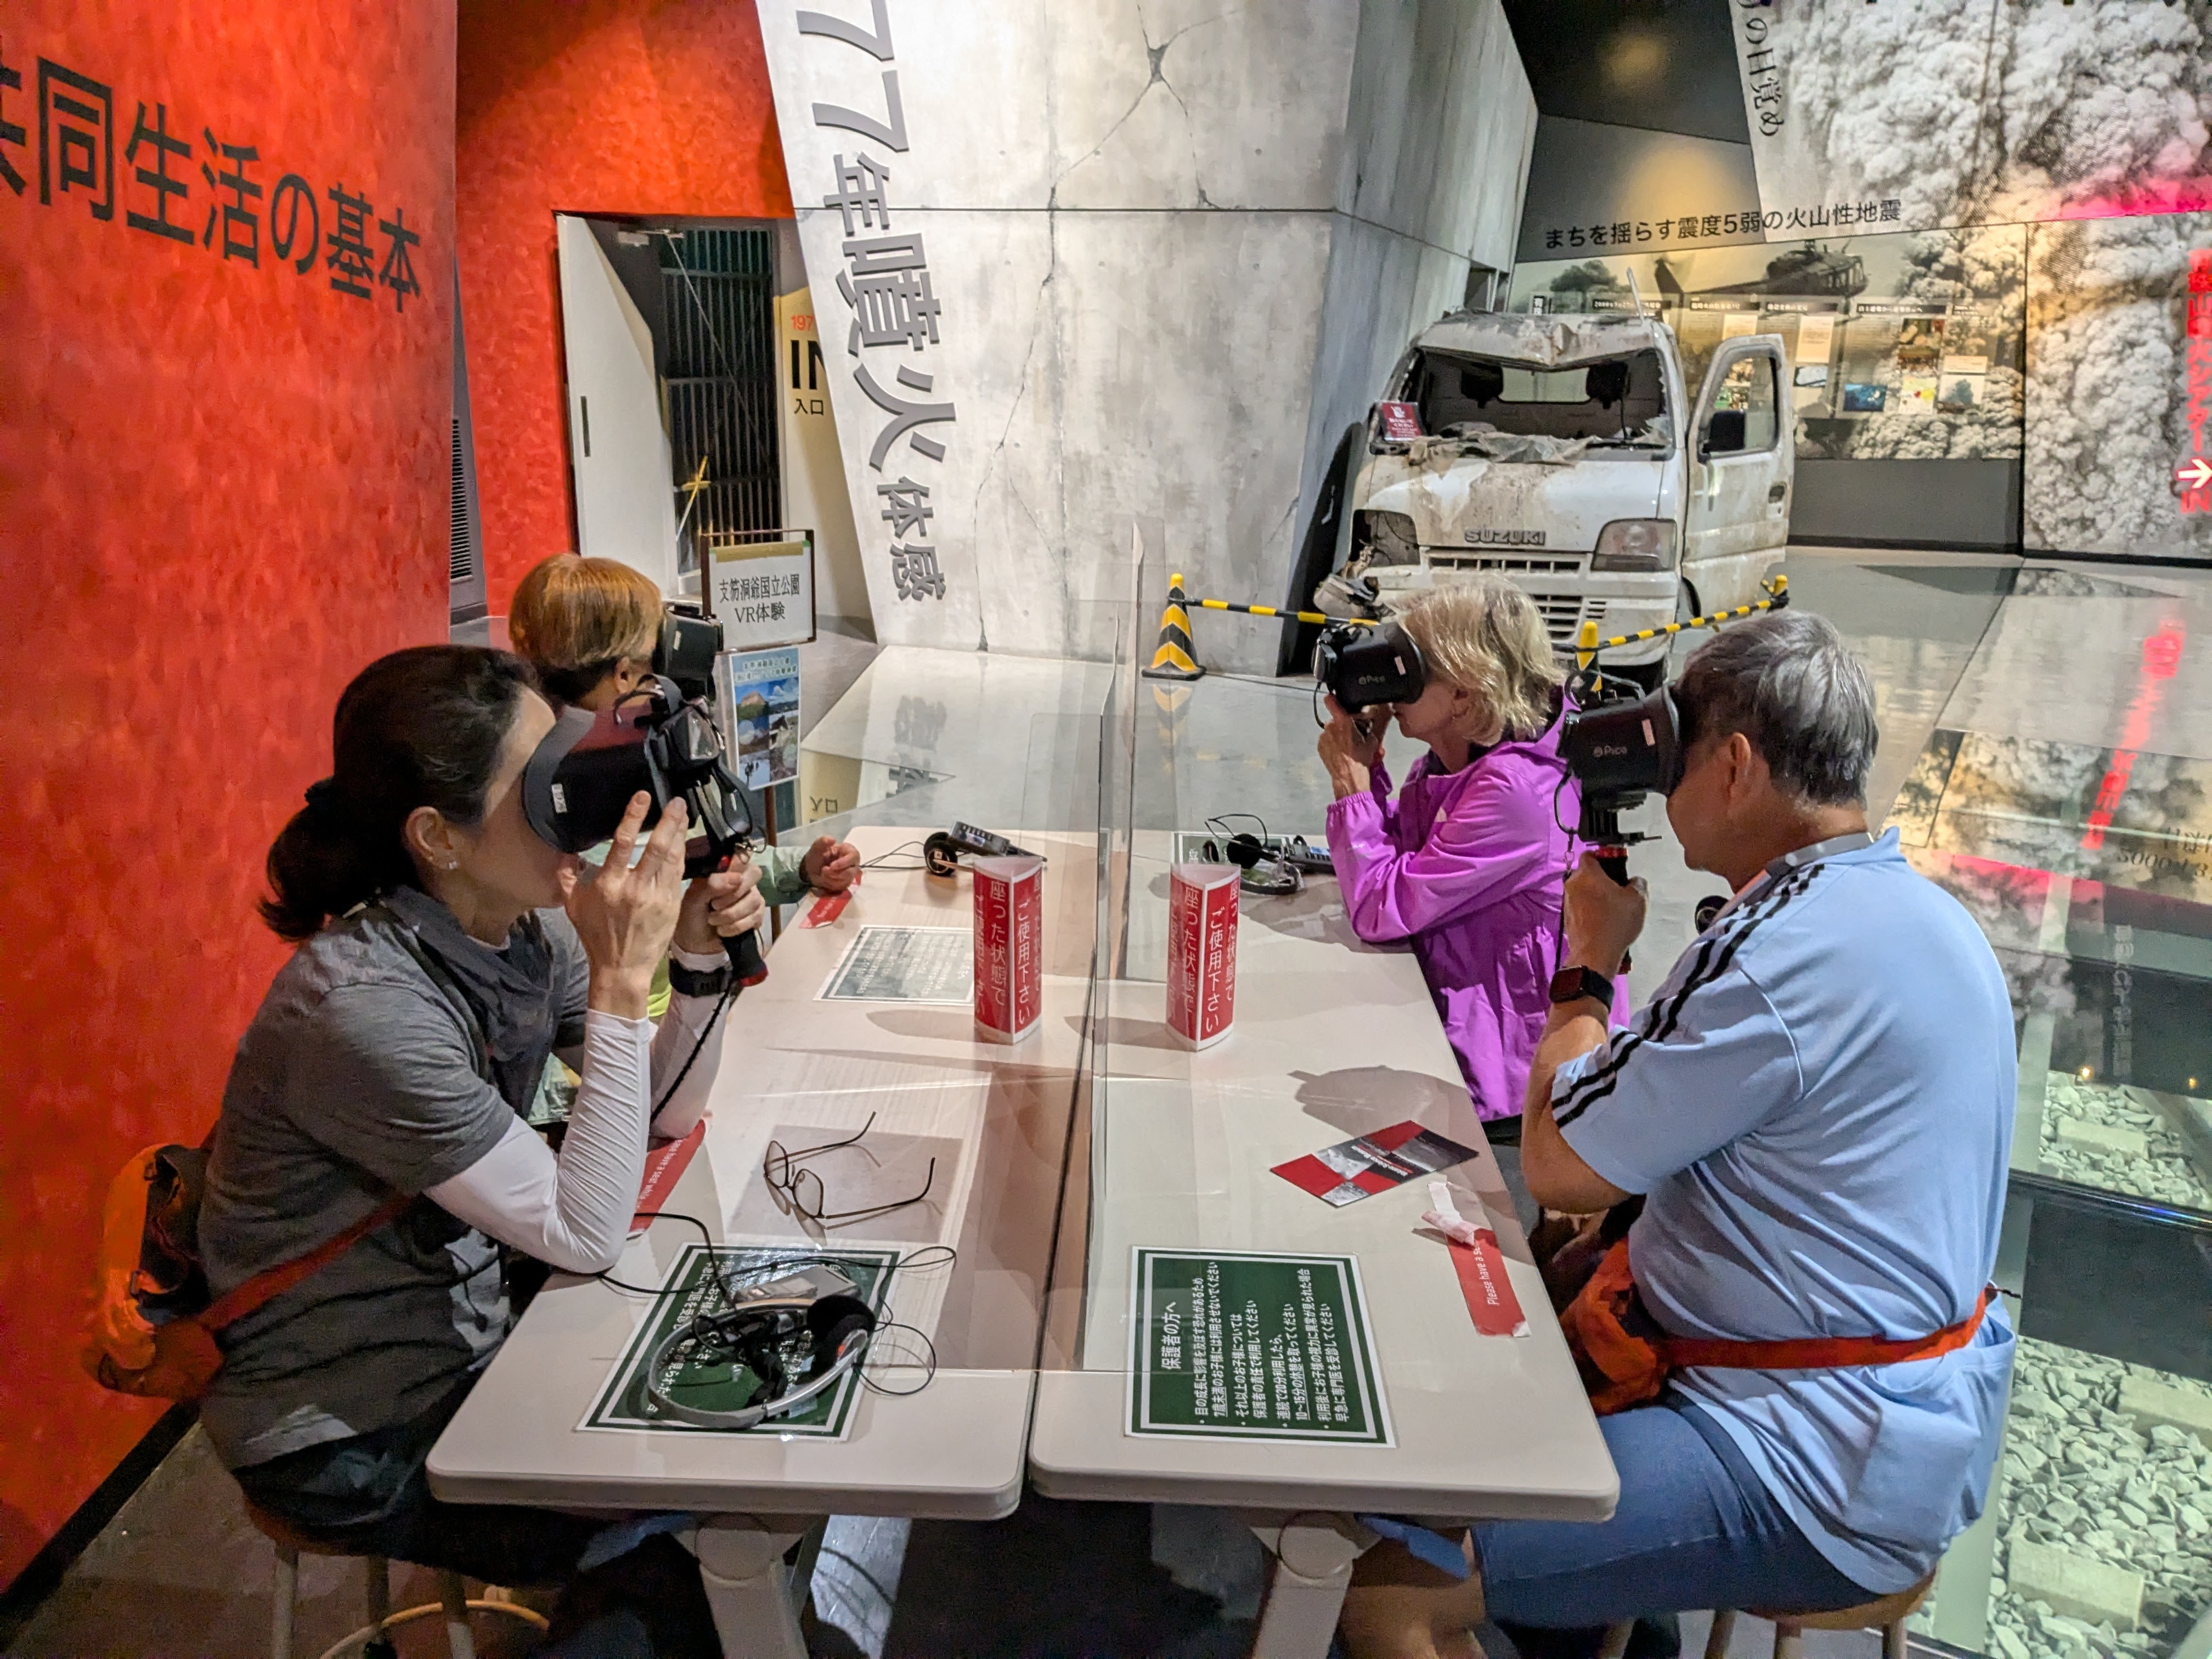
point(1816, 1108)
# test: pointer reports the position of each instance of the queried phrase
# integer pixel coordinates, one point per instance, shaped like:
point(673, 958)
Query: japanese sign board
point(904, 964)
point(699, 1284)
point(1749, 223)
point(2194, 476)
point(764, 714)
point(1233, 1345)
point(1202, 916)
point(1009, 946)
point(762, 592)
point(63, 145)
point(886, 285)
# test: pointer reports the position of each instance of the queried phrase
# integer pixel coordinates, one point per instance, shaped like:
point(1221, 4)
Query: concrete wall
point(1168, 249)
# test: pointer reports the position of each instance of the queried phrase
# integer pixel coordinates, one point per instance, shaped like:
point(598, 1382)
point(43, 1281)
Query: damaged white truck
point(1554, 450)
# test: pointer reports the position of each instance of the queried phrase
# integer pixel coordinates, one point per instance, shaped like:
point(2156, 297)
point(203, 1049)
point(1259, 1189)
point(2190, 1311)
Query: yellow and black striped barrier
point(1173, 660)
point(1315, 616)
point(1587, 644)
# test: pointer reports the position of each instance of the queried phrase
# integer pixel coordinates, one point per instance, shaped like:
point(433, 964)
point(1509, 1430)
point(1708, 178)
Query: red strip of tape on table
point(1489, 1293)
point(663, 1167)
point(826, 909)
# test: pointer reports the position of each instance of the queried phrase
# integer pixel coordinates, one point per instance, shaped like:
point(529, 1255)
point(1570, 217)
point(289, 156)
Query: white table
point(1332, 1038)
point(999, 1115)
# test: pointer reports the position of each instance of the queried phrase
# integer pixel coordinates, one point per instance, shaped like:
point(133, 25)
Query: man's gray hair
point(1788, 682)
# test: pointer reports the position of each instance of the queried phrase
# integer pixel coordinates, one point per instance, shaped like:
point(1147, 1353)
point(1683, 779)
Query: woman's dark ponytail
point(421, 727)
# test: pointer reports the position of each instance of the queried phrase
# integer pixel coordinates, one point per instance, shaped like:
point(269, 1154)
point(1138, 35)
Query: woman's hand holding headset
point(626, 913)
point(1350, 748)
point(720, 907)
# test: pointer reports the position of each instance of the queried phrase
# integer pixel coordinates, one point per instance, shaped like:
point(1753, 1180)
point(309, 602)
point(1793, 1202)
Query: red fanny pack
point(1625, 1359)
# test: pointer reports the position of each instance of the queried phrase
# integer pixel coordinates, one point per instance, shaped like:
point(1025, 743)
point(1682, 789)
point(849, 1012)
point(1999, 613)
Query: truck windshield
point(1614, 401)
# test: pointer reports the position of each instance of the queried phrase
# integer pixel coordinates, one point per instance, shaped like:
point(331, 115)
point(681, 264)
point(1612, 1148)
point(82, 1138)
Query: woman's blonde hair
point(575, 619)
point(1485, 636)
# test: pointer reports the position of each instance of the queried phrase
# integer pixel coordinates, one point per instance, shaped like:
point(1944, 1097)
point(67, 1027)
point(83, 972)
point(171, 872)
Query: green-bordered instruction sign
point(1230, 1344)
point(699, 1284)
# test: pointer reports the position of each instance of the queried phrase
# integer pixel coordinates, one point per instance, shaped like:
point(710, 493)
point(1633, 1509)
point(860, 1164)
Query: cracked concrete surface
point(1136, 217)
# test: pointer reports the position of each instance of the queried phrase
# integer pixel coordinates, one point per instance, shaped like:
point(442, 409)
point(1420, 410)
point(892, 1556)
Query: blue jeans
point(1695, 1528)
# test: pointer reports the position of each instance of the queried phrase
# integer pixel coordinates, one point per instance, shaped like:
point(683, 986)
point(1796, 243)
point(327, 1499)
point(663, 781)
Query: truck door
point(1742, 458)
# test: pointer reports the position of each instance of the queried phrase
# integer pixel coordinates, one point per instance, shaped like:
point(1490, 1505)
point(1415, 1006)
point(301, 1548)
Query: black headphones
point(1267, 869)
point(760, 1336)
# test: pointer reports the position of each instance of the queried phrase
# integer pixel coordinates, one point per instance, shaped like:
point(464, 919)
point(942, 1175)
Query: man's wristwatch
point(1572, 984)
point(691, 983)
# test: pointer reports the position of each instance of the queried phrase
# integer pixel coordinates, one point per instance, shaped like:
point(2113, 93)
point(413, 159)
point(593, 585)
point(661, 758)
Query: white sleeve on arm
point(571, 1212)
point(673, 1046)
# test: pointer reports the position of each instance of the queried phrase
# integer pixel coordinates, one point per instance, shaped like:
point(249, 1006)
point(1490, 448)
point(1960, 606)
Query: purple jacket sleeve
point(1490, 847)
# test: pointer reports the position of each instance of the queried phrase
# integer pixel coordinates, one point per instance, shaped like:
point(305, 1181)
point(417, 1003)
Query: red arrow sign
point(2196, 472)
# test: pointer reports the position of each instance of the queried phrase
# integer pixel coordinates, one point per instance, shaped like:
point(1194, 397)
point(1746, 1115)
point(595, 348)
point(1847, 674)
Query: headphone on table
point(837, 1330)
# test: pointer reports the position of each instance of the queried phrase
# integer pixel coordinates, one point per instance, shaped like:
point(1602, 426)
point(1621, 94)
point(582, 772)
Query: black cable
point(928, 1366)
point(878, 861)
point(719, 1264)
point(728, 996)
point(778, 1265)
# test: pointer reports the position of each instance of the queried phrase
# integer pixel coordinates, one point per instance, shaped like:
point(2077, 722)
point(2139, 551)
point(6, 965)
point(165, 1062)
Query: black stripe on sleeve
point(1715, 955)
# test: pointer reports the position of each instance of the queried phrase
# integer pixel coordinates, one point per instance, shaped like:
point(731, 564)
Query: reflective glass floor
point(2047, 755)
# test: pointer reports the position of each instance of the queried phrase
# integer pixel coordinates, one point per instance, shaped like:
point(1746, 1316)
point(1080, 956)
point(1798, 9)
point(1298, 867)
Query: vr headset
point(1620, 751)
point(689, 641)
point(580, 782)
point(1364, 666)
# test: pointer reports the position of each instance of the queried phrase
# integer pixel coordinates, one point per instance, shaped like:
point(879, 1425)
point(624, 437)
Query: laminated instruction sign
point(905, 965)
point(1230, 1345)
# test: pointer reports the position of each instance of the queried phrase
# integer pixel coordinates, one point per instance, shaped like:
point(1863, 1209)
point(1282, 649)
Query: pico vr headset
point(1363, 666)
point(1620, 751)
point(689, 642)
point(579, 780)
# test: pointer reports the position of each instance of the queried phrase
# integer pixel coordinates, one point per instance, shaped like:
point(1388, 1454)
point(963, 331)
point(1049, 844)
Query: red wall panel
point(603, 106)
point(223, 487)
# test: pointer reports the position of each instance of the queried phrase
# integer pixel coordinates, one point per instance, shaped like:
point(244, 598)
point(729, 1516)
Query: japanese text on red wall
point(69, 136)
point(885, 282)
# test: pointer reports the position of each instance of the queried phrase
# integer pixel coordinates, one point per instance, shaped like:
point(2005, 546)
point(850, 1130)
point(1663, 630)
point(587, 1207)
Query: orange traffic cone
point(1173, 661)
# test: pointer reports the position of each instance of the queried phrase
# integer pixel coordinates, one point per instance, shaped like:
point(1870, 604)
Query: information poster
point(1229, 1345)
point(764, 714)
point(697, 1286)
point(906, 964)
point(762, 592)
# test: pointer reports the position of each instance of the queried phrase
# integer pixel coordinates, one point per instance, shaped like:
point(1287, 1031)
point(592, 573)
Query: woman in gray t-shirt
point(444, 952)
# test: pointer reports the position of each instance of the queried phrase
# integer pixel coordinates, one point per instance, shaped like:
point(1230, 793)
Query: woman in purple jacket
point(1468, 861)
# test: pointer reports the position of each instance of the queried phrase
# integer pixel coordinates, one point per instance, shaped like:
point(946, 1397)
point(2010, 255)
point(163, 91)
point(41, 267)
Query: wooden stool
point(373, 1639)
point(1887, 1614)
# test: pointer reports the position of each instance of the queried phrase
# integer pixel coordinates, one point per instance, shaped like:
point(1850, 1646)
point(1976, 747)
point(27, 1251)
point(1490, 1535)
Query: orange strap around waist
point(1825, 1353)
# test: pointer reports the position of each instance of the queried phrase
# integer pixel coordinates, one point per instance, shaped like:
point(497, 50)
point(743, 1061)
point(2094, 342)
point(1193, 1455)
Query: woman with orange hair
point(589, 627)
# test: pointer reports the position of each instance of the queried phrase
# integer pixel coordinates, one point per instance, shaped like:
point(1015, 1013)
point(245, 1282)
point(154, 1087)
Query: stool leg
point(1893, 1639)
point(1789, 1640)
point(453, 1594)
point(377, 1572)
point(1723, 1632)
point(286, 1592)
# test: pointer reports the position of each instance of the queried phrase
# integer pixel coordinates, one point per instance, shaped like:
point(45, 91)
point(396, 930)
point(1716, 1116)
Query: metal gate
point(719, 290)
